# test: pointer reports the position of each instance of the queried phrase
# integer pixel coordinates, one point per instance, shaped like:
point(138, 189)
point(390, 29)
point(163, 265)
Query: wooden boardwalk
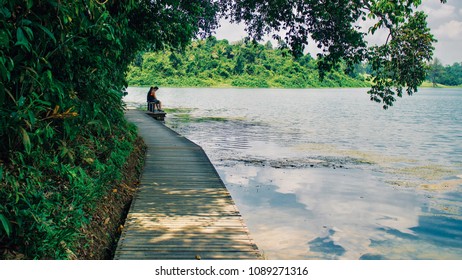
point(182, 209)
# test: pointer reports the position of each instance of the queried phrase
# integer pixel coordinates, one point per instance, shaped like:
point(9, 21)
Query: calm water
point(327, 174)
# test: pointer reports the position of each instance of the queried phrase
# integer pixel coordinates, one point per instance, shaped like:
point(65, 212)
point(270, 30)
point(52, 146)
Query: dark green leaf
point(29, 4)
point(4, 38)
point(47, 31)
point(26, 140)
point(21, 39)
point(5, 224)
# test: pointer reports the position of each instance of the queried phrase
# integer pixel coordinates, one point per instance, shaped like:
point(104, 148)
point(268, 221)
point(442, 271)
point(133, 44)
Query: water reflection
point(326, 246)
point(320, 204)
point(440, 230)
point(338, 214)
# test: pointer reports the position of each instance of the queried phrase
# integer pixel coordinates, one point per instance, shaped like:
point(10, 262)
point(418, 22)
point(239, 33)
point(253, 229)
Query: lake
point(328, 174)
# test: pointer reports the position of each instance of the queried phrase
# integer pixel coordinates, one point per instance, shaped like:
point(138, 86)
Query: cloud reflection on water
point(330, 214)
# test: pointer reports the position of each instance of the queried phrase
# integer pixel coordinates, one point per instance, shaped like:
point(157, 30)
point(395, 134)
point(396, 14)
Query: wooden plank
point(185, 234)
point(182, 250)
point(182, 209)
point(172, 240)
point(140, 255)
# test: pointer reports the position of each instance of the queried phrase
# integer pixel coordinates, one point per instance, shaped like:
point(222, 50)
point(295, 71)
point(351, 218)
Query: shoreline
point(233, 87)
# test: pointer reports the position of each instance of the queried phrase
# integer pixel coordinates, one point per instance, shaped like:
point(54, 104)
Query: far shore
point(425, 84)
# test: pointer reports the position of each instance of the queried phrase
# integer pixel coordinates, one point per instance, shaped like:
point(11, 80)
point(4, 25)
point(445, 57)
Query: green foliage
point(450, 75)
point(63, 136)
point(6, 226)
point(402, 62)
point(215, 62)
point(50, 199)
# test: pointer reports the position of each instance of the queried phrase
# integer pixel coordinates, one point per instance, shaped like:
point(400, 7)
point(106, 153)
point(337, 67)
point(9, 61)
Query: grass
point(428, 84)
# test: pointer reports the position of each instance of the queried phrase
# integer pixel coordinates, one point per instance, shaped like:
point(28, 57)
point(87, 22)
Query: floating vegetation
point(186, 117)
point(295, 163)
point(179, 110)
point(212, 119)
point(428, 176)
point(402, 183)
point(428, 172)
point(183, 117)
point(445, 185)
point(360, 156)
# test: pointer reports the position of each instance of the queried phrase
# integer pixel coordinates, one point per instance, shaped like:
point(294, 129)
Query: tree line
point(449, 75)
point(218, 63)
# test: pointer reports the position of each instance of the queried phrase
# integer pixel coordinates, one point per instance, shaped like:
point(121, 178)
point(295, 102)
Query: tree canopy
point(337, 28)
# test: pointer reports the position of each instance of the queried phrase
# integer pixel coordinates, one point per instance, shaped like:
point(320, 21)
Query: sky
point(445, 21)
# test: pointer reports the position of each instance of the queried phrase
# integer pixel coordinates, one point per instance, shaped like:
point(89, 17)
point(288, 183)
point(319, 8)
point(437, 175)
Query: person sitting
point(152, 100)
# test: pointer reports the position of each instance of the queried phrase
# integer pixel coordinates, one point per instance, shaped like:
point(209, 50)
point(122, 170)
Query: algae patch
point(179, 110)
point(428, 172)
point(403, 183)
point(364, 157)
point(445, 185)
point(185, 115)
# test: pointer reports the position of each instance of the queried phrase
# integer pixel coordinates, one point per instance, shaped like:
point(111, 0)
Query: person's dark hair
point(156, 88)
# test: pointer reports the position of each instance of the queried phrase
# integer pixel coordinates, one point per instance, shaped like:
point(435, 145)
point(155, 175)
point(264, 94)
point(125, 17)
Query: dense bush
point(63, 135)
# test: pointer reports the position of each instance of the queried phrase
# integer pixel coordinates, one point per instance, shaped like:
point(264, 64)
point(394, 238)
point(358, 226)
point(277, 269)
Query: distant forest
point(217, 63)
point(450, 75)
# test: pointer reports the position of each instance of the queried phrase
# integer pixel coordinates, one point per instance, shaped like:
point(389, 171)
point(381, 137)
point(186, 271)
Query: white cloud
point(231, 32)
point(451, 30)
point(439, 12)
